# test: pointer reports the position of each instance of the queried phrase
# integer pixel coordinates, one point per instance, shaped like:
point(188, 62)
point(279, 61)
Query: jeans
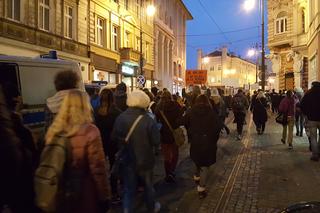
point(202, 172)
point(239, 118)
point(299, 123)
point(130, 180)
point(288, 130)
point(171, 156)
point(314, 126)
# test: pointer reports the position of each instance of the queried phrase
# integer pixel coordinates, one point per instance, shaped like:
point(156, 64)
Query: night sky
point(234, 28)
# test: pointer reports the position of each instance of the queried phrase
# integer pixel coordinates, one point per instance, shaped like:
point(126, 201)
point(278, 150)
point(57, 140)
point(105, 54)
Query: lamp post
point(150, 11)
point(248, 6)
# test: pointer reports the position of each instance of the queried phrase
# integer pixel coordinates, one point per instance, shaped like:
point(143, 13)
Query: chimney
point(200, 54)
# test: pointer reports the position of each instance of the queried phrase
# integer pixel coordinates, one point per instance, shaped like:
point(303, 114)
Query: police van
point(34, 78)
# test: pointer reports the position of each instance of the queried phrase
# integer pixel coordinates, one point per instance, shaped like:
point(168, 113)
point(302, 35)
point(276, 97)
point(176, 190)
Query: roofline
point(189, 17)
point(232, 56)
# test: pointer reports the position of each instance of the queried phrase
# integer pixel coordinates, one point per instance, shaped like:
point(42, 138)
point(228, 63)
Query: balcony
point(129, 55)
point(27, 34)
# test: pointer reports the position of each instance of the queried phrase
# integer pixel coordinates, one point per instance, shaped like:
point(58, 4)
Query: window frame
point(115, 37)
point(13, 11)
point(127, 39)
point(43, 7)
point(67, 18)
point(278, 25)
point(100, 40)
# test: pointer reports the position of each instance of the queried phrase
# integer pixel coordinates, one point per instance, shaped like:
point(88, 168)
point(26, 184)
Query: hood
point(201, 110)
point(55, 101)
point(239, 95)
point(216, 99)
point(168, 106)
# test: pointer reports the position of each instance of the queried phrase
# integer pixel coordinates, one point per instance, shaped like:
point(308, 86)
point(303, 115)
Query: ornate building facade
point(170, 43)
point(294, 41)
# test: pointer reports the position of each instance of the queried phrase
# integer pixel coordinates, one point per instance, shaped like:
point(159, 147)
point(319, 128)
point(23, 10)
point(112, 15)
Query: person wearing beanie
point(120, 96)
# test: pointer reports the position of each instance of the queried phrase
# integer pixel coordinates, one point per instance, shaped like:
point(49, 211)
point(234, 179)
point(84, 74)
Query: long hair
point(106, 101)
point(166, 98)
point(202, 100)
point(74, 112)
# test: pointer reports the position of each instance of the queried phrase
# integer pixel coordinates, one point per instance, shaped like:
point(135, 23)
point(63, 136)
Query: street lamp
point(150, 11)
point(249, 5)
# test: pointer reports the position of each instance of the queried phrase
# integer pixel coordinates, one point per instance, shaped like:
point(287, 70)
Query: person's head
point(214, 92)
point(165, 90)
point(106, 100)
point(154, 91)
point(122, 87)
point(166, 96)
point(74, 112)
point(273, 90)
point(138, 99)
point(261, 94)
point(12, 96)
point(65, 80)
point(289, 93)
point(221, 92)
point(175, 98)
point(240, 91)
point(202, 100)
point(196, 90)
point(315, 84)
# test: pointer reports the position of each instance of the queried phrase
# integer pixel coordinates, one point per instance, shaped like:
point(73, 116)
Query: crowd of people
point(100, 150)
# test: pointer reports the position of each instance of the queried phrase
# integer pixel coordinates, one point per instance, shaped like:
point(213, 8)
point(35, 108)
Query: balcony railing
point(129, 55)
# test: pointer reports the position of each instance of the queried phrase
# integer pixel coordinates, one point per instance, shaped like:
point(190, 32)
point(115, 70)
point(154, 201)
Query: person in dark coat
point(259, 109)
point(144, 138)
point(105, 117)
point(274, 101)
point(120, 97)
point(24, 196)
point(203, 126)
point(172, 112)
point(240, 105)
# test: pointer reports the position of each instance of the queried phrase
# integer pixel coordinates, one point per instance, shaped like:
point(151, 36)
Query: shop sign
point(196, 77)
point(127, 70)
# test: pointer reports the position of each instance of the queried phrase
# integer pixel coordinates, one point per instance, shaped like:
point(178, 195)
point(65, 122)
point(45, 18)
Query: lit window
point(99, 33)
point(68, 22)
point(44, 14)
point(13, 9)
point(115, 38)
point(147, 52)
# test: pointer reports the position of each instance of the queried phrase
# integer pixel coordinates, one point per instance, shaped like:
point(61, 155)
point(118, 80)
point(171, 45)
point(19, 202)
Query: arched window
point(281, 24)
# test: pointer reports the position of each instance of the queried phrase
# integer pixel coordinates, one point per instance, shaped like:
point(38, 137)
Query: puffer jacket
point(88, 158)
point(310, 105)
point(288, 106)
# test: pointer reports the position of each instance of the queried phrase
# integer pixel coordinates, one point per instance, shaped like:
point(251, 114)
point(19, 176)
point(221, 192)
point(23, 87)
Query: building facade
point(227, 70)
point(31, 28)
point(294, 41)
point(170, 43)
point(115, 35)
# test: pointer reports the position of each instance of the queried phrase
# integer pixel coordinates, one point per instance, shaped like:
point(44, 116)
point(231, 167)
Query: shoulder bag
point(178, 134)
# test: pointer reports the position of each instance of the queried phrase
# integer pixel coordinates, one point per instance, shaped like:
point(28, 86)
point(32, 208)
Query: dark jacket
point(310, 105)
point(18, 160)
point(143, 139)
point(244, 101)
point(173, 112)
point(203, 126)
point(259, 109)
point(120, 100)
point(105, 124)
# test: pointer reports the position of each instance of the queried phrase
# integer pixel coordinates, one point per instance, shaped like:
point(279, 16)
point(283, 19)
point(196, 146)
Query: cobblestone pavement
point(260, 175)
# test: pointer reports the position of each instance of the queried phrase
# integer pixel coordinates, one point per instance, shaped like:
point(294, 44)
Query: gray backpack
point(49, 175)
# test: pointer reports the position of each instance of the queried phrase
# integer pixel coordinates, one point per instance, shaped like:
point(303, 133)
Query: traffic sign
point(141, 80)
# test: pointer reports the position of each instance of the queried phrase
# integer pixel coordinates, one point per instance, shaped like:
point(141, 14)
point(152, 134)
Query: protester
point(25, 196)
point(120, 96)
point(274, 101)
point(88, 165)
point(221, 108)
point(310, 106)
point(203, 126)
point(259, 108)
point(105, 117)
point(239, 106)
point(64, 81)
point(139, 150)
point(287, 107)
point(168, 113)
point(299, 117)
